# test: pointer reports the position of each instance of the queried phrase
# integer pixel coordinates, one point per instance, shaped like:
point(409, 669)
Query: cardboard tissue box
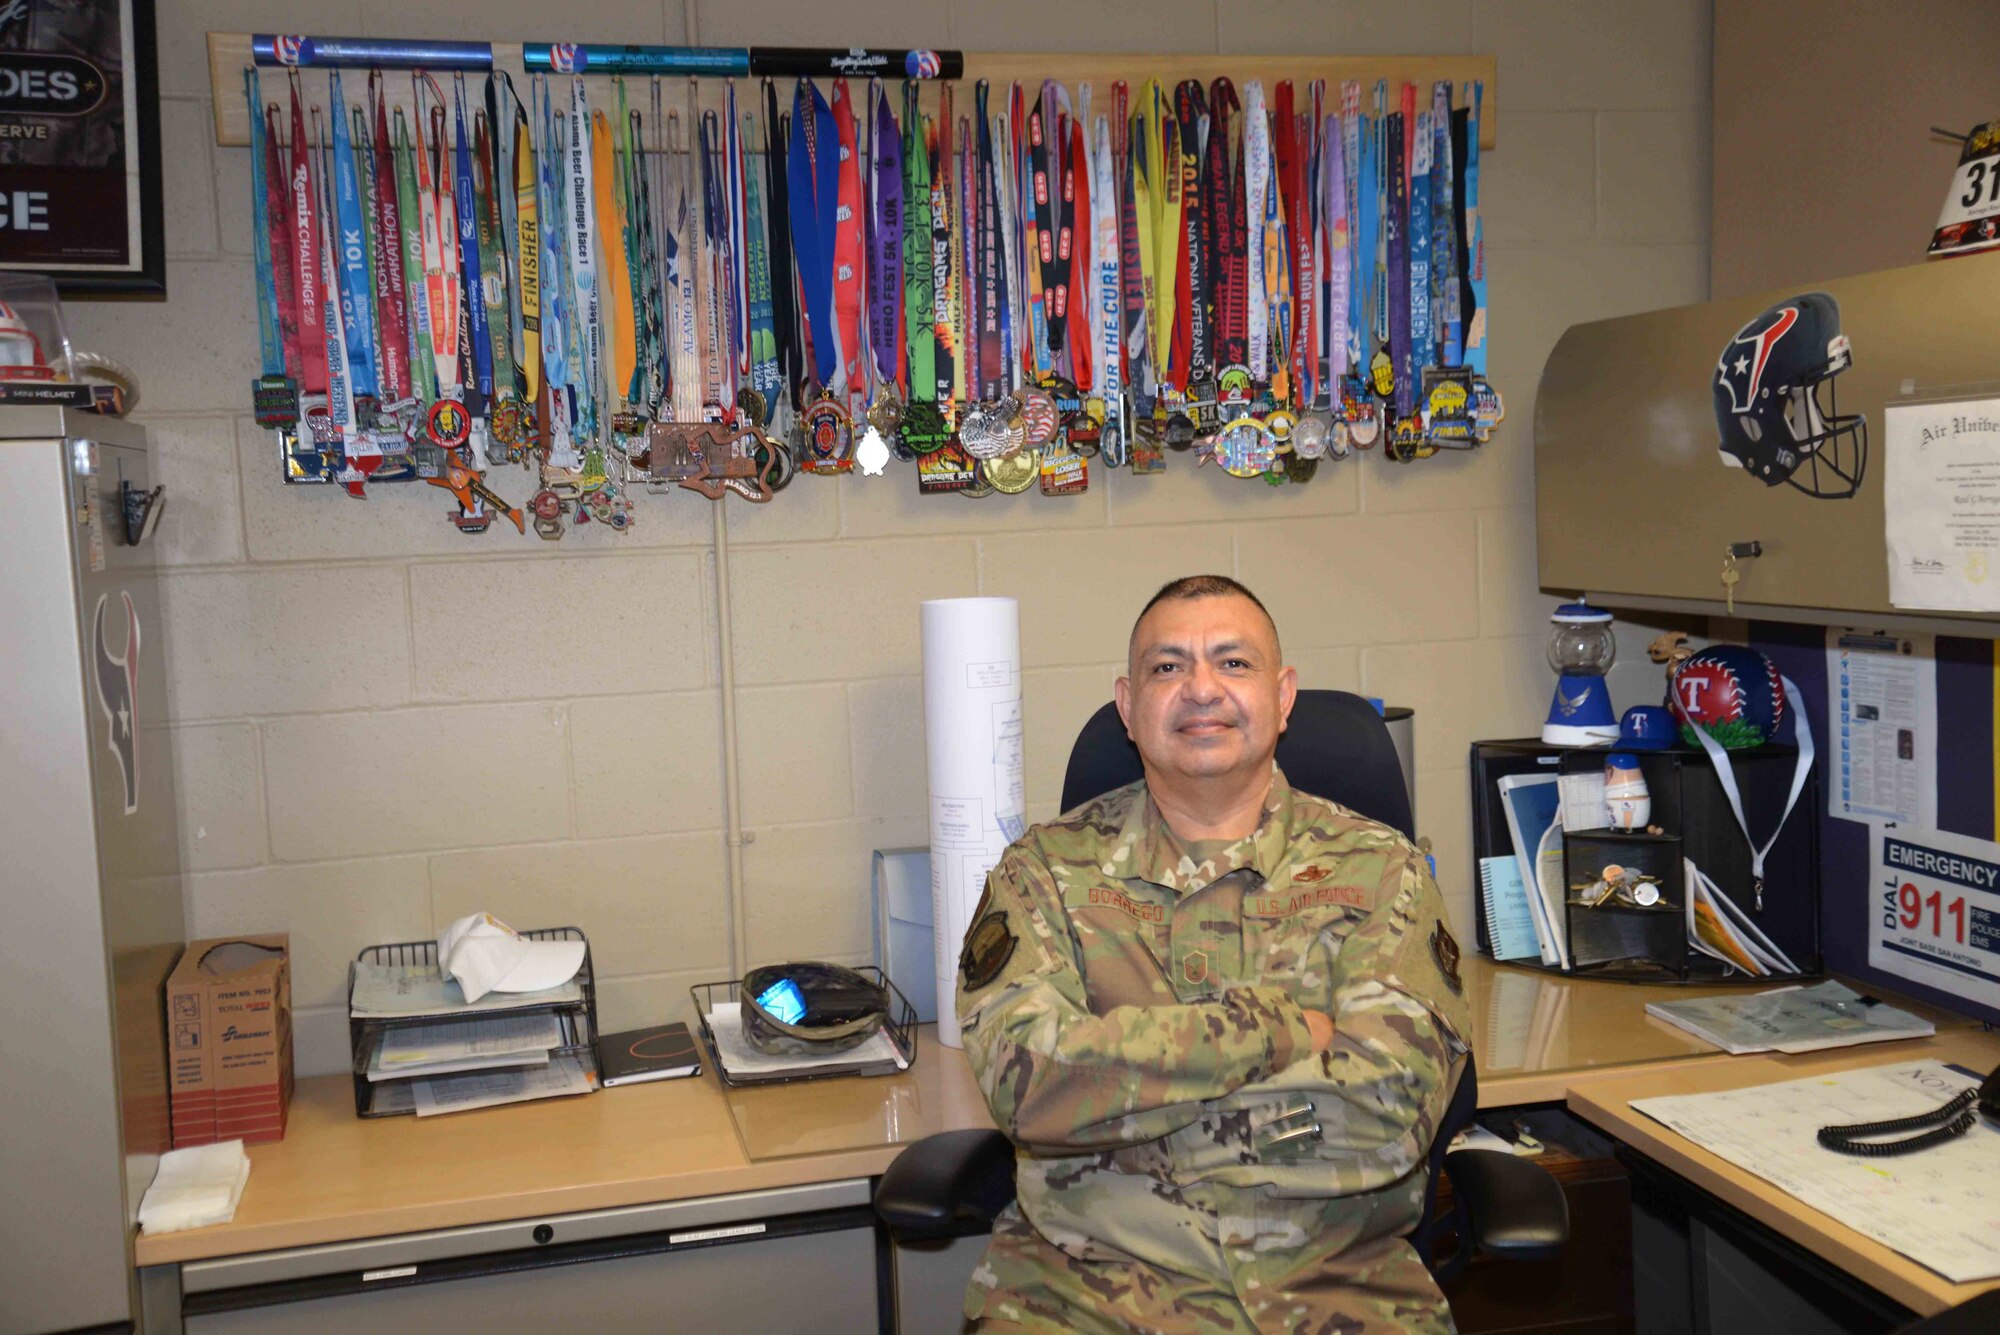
point(229, 1039)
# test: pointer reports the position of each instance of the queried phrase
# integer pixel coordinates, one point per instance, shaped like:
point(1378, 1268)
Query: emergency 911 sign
point(1934, 916)
point(80, 144)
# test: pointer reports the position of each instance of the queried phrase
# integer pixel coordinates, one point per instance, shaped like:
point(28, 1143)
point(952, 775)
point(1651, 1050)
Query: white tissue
point(195, 1188)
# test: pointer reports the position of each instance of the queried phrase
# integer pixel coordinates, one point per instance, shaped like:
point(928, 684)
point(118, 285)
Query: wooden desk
point(1604, 1100)
point(336, 1177)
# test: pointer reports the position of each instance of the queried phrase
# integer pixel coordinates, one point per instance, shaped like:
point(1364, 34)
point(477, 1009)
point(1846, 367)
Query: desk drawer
point(805, 1271)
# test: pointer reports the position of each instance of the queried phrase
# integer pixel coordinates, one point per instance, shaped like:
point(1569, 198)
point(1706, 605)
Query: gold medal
point(1012, 473)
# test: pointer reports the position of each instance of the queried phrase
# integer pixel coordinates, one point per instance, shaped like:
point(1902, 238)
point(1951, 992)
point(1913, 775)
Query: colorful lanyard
point(849, 291)
point(1078, 342)
point(610, 215)
point(919, 298)
point(1192, 336)
point(340, 404)
point(885, 241)
point(763, 341)
point(1395, 226)
point(990, 259)
point(392, 309)
point(467, 219)
point(305, 250)
point(1126, 149)
point(270, 341)
point(683, 313)
point(552, 235)
point(1011, 282)
point(587, 316)
point(1385, 156)
point(493, 287)
point(423, 366)
point(357, 298)
point(527, 254)
point(1257, 186)
point(943, 297)
point(1475, 255)
point(813, 188)
point(1105, 284)
point(1339, 252)
point(1422, 348)
point(1304, 219)
point(1444, 250)
point(735, 200)
point(1054, 183)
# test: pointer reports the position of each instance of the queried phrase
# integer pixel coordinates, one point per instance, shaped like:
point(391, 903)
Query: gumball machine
point(1581, 650)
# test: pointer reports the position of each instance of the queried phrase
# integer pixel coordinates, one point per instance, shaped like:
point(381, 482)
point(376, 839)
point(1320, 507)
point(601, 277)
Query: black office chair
point(954, 1183)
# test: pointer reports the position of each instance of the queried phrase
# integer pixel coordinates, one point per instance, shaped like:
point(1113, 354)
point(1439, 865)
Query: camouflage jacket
point(1134, 1017)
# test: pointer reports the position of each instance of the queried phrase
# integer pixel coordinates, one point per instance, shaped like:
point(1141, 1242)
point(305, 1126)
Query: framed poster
point(80, 145)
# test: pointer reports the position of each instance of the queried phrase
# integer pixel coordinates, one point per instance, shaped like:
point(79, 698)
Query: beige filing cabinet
point(1631, 496)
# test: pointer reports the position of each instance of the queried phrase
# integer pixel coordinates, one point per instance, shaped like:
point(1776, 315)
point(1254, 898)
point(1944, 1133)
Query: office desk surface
point(1604, 1100)
point(336, 1177)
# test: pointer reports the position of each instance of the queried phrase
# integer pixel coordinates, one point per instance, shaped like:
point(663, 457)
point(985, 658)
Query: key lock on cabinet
point(1732, 572)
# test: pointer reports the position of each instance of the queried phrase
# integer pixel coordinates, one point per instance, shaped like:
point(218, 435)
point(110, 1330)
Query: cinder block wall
point(382, 724)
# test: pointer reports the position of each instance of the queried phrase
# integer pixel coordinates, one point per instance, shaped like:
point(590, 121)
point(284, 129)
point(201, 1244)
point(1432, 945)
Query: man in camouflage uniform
point(1218, 1017)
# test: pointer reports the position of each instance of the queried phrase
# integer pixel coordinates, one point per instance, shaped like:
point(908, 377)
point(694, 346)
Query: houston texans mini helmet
point(1767, 400)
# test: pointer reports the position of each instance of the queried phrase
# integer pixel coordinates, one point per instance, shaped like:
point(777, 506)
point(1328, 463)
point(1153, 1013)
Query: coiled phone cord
point(1957, 1116)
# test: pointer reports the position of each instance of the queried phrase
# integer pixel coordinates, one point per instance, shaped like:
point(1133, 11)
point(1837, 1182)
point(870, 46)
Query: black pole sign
point(80, 145)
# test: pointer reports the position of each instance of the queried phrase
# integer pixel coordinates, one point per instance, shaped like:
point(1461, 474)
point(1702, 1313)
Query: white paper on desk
point(733, 1050)
point(402, 990)
point(1939, 1207)
point(500, 1036)
point(1881, 707)
point(973, 740)
point(462, 1093)
point(1941, 504)
point(493, 1062)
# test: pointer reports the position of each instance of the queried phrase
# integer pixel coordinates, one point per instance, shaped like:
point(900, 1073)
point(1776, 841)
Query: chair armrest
point(947, 1185)
point(1974, 1316)
point(1516, 1211)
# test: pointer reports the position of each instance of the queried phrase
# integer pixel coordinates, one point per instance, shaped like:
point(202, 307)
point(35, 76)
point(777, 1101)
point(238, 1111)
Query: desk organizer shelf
point(1637, 943)
point(900, 1027)
point(577, 1018)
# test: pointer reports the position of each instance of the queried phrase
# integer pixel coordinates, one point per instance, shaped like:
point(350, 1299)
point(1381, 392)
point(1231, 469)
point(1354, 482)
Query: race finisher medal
point(1245, 449)
point(923, 428)
point(1013, 474)
point(829, 436)
point(1313, 438)
point(983, 434)
point(1039, 418)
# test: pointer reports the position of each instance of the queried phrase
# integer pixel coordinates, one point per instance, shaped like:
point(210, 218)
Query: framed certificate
point(80, 145)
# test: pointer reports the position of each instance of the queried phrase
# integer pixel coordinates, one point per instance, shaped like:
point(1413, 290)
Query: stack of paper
point(392, 991)
point(466, 1045)
point(1791, 1019)
point(1719, 929)
point(483, 1089)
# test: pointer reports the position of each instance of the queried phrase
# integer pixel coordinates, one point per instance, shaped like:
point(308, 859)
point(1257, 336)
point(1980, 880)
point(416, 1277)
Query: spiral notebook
point(1510, 922)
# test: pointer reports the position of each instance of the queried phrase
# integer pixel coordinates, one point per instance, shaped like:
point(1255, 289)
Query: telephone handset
point(1942, 1123)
